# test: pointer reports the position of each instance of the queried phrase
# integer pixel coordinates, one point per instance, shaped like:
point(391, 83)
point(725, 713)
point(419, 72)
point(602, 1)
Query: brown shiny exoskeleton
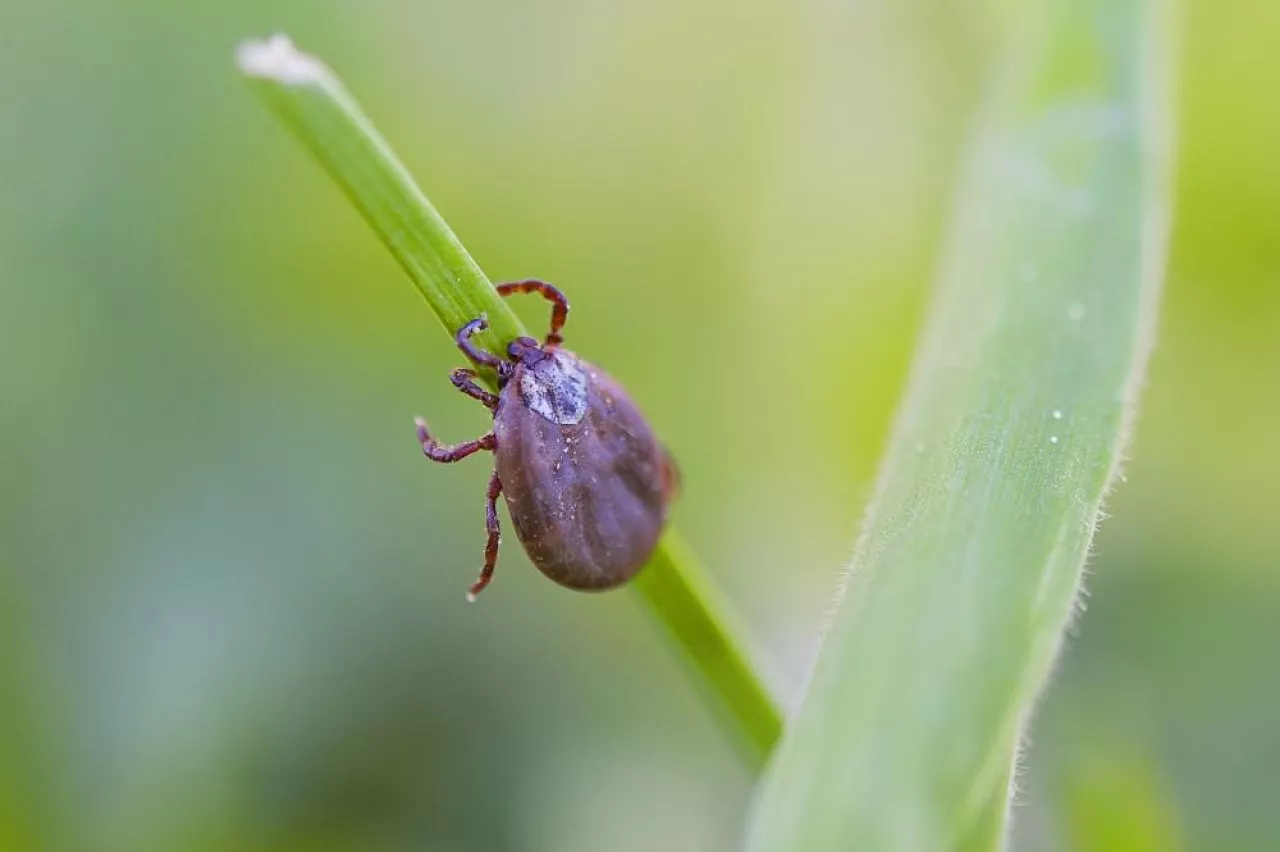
point(587, 483)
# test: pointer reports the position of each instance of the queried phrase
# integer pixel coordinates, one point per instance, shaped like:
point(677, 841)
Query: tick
point(586, 482)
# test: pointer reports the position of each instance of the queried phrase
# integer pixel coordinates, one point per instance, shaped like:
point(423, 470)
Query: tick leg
point(464, 380)
point(491, 546)
point(437, 452)
point(478, 356)
point(559, 304)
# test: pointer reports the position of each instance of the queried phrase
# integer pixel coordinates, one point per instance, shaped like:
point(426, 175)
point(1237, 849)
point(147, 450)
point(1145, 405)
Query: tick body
point(586, 482)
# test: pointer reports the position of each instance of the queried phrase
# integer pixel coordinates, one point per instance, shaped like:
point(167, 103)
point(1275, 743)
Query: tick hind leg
point(495, 537)
point(559, 304)
point(438, 452)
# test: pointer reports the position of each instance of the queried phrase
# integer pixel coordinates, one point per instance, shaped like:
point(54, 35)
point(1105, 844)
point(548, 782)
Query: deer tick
point(586, 482)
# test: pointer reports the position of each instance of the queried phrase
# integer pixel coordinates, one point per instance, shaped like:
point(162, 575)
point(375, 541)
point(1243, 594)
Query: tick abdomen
point(584, 477)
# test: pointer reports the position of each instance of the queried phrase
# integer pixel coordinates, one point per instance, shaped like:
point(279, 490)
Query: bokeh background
point(231, 611)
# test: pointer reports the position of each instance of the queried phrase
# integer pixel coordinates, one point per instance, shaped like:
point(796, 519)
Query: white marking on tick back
point(556, 389)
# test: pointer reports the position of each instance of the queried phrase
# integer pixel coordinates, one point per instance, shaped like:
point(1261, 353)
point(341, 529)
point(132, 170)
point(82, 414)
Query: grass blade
point(681, 597)
point(1017, 413)
point(322, 114)
point(675, 587)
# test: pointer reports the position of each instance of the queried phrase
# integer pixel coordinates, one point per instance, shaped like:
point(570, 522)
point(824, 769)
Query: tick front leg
point(559, 304)
point(477, 356)
point(491, 546)
point(464, 380)
point(438, 452)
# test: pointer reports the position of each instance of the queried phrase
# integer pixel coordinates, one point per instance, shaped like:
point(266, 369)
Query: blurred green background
point(231, 611)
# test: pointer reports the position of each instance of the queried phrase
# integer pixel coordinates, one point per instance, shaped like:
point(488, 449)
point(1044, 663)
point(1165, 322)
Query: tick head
point(526, 351)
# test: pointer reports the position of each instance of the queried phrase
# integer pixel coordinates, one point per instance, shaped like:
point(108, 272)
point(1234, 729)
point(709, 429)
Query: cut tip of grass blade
point(277, 58)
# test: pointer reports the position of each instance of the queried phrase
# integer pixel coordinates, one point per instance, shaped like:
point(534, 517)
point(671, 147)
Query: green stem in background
point(1016, 417)
point(677, 590)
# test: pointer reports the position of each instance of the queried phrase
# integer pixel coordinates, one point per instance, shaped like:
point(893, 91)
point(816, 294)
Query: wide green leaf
point(1016, 419)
